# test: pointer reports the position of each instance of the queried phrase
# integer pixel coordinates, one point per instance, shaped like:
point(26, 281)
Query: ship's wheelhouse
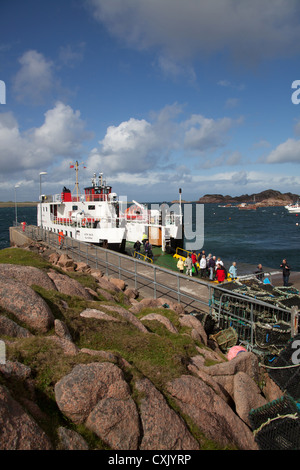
point(97, 193)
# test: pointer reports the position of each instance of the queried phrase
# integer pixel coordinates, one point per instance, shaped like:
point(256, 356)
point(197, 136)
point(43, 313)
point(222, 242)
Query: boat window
point(91, 208)
point(74, 208)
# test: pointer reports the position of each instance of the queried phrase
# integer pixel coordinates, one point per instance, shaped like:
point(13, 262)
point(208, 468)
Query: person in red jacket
point(194, 261)
point(220, 273)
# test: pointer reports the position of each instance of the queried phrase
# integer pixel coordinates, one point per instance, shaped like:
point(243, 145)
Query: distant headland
point(20, 204)
point(262, 199)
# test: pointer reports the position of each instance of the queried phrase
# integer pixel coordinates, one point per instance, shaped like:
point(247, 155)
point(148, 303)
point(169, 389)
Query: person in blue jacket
point(233, 270)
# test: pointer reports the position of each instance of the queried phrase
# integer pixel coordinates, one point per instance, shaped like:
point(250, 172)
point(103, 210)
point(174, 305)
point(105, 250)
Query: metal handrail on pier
point(136, 271)
point(196, 295)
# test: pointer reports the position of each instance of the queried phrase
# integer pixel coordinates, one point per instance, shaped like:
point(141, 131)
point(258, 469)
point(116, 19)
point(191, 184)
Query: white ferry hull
point(97, 217)
point(112, 236)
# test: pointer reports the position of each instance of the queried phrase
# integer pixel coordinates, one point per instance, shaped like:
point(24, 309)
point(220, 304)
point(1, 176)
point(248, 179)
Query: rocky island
point(266, 198)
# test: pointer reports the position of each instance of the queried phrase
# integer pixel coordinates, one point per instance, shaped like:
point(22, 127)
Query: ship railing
point(135, 272)
point(87, 222)
point(135, 219)
point(152, 220)
point(164, 220)
point(139, 255)
point(182, 253)
point(96, 197)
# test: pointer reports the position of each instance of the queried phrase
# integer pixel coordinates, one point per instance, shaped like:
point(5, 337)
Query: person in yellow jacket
point(180, 265)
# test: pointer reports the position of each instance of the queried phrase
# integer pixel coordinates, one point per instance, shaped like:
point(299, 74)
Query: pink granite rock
point(115, 418)
point(210, 413)
point(25, 304)
point(28, 275)
point(161, 319)
point(78, 393)
point(247, 395)
point(18, 430)
point(69, 286)
point(163, 429)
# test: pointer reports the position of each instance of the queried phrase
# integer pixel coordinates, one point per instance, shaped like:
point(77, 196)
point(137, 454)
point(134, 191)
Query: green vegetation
point(23, 257)
point(160, 356)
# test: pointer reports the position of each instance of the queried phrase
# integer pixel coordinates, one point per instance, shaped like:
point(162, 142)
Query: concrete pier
point(150, 280)
point(18, 238)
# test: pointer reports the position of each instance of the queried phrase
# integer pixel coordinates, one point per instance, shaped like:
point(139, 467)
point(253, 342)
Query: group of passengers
point(147, 249)
point(209, 266)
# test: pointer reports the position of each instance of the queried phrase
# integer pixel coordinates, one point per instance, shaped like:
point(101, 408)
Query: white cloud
point(228, 84)
point(137, 145)
point(71, 55)
point(62, 132)
point(140, 149)
point(287, 152)
point(172, 69)
point(297, 127)
point(164, 143)
point(12, 146)
point(232, 102)
point(251, 30)
point(129, 145)
point(61, 135)
point(224, 83)
point(35, 79)
point(261, 144)
point(225, 159)
point(234, 158)
point(204, 134)
point(244, 182)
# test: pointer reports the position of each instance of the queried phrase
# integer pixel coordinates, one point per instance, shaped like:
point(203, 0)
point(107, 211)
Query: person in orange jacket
point(61, 238)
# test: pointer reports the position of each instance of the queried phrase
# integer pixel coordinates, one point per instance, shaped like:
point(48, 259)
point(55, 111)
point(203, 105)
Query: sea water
point(8, 216)
point(248, 237)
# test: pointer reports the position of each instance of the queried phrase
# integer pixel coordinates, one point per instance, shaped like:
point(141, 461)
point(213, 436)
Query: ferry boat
point(244, 206)
point(97, 217)
point(92, 217)
point(160, 224)
point(293, 208)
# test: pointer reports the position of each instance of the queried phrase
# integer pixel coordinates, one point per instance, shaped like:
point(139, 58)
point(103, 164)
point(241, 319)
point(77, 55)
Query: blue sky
point(156, 94)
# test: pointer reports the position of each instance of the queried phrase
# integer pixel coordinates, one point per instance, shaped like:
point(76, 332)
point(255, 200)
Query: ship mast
point(76, 189)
